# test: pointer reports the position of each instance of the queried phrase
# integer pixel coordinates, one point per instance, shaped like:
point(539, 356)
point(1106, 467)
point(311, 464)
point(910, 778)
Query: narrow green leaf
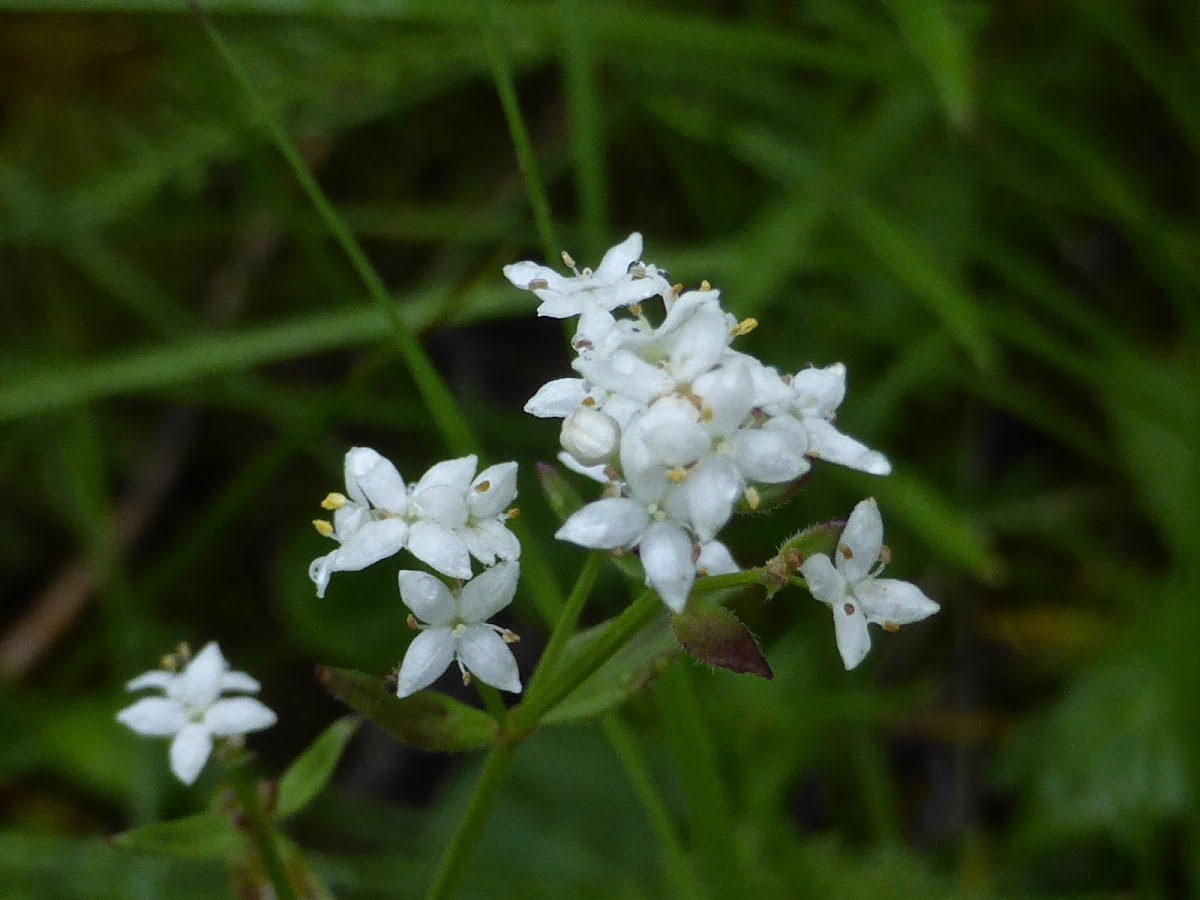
point(939, 43)
point(428, 720)
point(201, 836)
point(629, 670)
point(562, 497)
point(716, 637)
point(308, 775)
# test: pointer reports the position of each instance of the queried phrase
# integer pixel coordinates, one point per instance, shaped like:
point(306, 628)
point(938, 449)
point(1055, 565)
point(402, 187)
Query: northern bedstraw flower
point(849, 585)
point(454, 628)
point(192, 710)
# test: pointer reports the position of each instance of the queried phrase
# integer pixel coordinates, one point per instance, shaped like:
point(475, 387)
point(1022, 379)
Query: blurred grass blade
point(939, 43)
point(202, 836)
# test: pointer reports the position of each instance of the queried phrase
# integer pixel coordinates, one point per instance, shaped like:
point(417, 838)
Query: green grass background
point(988, 211)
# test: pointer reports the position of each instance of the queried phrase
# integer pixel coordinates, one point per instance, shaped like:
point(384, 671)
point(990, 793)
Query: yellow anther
point(412, 622)
point(705, 286)
point(324, 529)
point(513, 513)
point(169, 662)
point(334, 500)
point(636, 310)
point(586, 273)
point(744, 327)
point(483, 486)
point(466, 674)
point(706, 413)
point(752, 497)
point(509, 637)
point(891, 627)
point(885, 555)
point(677, 289)
point(845, 551)
point(677, 475)
point(567, 260)
point(589, 401)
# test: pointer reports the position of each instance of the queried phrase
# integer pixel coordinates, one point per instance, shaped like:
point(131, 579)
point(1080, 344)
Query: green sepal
point(307, 776)
point(820, 538)
point(208, 835)
point(629, 670)
point(717, 638)
point(428, 720)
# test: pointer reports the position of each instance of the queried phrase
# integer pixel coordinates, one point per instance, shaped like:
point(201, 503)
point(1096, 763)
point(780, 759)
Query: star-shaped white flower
point(192, 710)
point(621, 279)
point(454, 628)
point(851, 589)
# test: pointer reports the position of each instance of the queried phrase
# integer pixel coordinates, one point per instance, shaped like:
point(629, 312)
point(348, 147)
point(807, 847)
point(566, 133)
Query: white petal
point(671, 430)
point(850, 628)
point(618, 259)
point(861, 542)
point(666, 554)
point(371, 476)
point(237, 715)
point(595, 321)
point(442, 503)
point(489, 540)
point(319, 570)
point(890, 601)
point(189, 752)
point(348, 520)
point(561, 305)
point(488, 593)
point(427, 657)
point(456, 473)
point(595, 473)
point(697, 345)
point(427, 597)
point(439, 547)
point(199, 684)
point(791, 429)
point(824, 581)
point(625, 373)
point(372, 542)
point(644, 472)
point(829, 444)
point(715, 559)
point(493, 490)
point(155, 679)
point(605, 524)
point(728, 394)
point(712, 488)
point(767, 456)
point(153, 716)
point(522, 273)
point(488, 658)
point(819, 392)
point(557, 399)
point(239, 681)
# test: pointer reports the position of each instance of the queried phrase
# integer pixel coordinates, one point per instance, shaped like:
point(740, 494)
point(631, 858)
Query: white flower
point(454, 628)
point(590, 436)
point(369, 524)
point(851, 589)
point(443, 520)
point(193, 710)
point(817, 393)
point(620, 280)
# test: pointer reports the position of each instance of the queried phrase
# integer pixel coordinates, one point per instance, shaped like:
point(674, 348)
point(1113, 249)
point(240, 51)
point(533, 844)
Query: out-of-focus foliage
point(988, 211)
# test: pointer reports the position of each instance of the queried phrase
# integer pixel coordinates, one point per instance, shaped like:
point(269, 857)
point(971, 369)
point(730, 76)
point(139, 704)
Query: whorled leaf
point(208, 835)
point(307, 776)
point(716, 637)
point(428, 720)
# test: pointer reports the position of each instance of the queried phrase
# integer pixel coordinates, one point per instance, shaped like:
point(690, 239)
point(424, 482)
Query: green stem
point(681, 874)
point(522, 143)
point(261, 833)
point(479, 809)
point(568, 618)
point(450, 422)
point(709, 810)
point(492, 702)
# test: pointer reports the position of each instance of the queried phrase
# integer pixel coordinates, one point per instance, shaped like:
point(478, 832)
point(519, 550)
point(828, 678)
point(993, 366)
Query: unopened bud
point(590, 436)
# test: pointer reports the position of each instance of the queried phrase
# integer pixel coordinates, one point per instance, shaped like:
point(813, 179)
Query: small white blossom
point(621, 279)
point(816, 395)
point(454, 628)
point(192, 710)
point(851, 588)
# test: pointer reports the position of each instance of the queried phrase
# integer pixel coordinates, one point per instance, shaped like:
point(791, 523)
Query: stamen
point(705, 286)
point(169, 662)
point(743, 327)
point(845, 551)
point(885, 555)
point(677, 475)
point(324, 529)
point(753, 499)
point(891, 627)
point(482, 486)
point(509, 637)
point(567, 260)
point(677, 289)
point(412, 622)
point(589, 401)
point(466, 678)
point(586, 273)
point(706, 413)
point(514, 513)
point(334, 500)
point(635, 310)
point(637, 270)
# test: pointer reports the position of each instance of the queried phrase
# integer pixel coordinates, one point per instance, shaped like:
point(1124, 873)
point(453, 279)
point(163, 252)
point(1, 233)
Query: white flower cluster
point(192, 710)
point(676, 424)
point(447, 517)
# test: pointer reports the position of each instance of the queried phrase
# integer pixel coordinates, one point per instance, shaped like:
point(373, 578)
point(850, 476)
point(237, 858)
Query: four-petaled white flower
point(851, 588)
point(621, 279)
point(444, 519)
point(192, 710)
point(454, 628)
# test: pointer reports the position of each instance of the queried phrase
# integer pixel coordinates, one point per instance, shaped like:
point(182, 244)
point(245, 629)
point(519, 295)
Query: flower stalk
point(261, 833)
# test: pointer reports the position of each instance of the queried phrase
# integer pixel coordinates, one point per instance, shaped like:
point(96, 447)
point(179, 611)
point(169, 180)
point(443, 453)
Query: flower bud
point(590, 436)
